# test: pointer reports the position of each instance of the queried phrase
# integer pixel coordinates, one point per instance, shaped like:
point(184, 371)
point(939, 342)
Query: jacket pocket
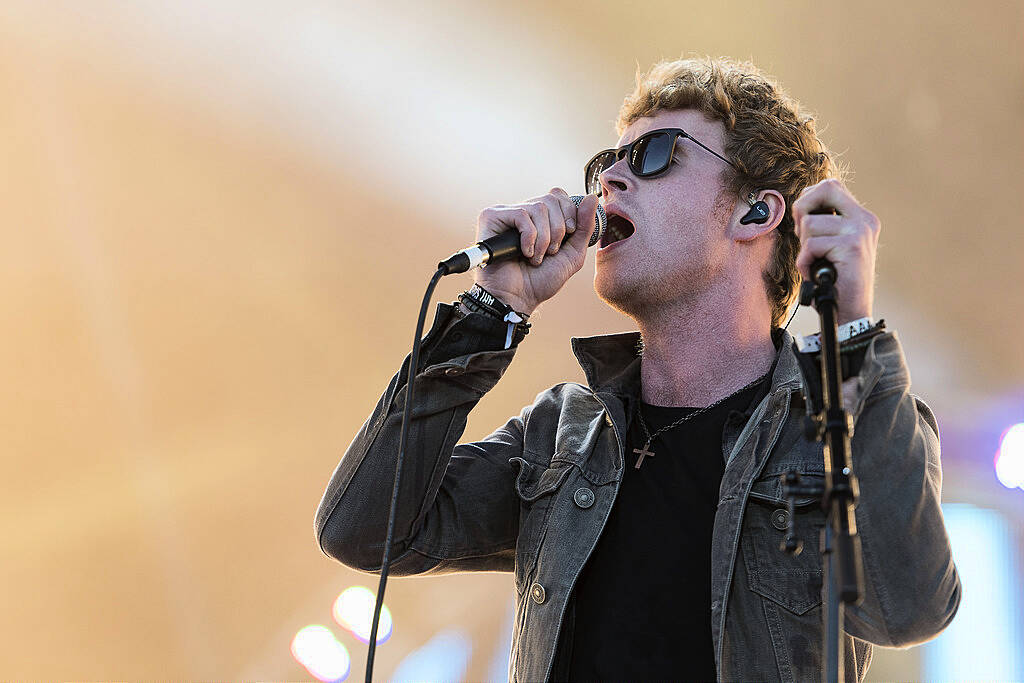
point(534, 486)
point(793, 582)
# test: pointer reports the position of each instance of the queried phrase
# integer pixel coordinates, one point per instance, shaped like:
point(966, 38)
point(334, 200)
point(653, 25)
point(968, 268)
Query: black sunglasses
point(649, 155)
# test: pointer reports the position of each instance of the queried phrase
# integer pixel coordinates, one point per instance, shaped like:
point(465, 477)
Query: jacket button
point(453, 371)
point(608, 419)
point(780, 518)
point(584, 497)
point(537, 593)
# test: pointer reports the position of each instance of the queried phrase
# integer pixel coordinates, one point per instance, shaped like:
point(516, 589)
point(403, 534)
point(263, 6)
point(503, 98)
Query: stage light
point(316, 648)
point(354, 610)
point(1010, 457)
point(983, 641)
point(445, 657)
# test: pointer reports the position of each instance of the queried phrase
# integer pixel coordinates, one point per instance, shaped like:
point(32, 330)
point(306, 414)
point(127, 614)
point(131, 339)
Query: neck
point(694, 354)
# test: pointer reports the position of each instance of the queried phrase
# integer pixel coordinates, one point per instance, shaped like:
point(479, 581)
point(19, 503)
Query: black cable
point(414, 359)
point(795, 309)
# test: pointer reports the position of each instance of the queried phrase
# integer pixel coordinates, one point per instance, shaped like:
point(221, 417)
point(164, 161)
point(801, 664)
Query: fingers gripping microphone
point(506, 245)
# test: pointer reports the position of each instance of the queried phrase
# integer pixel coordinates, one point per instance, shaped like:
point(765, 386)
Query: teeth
point(614, 232)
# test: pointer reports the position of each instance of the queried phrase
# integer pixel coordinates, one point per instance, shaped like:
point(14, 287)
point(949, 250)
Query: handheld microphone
point(506, 245)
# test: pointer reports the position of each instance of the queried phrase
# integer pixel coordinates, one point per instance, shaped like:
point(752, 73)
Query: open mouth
point(619, 228)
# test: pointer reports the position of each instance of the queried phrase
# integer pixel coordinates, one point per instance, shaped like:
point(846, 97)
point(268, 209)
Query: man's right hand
point(542, 224)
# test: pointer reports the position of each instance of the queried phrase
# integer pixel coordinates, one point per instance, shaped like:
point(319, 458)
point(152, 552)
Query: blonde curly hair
point(772, 142)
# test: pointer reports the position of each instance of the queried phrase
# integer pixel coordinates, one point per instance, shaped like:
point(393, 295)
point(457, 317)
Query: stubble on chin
point(632, 292)
point(643, 287)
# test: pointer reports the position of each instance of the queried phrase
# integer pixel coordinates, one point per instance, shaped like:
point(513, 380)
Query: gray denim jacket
point(532, 498)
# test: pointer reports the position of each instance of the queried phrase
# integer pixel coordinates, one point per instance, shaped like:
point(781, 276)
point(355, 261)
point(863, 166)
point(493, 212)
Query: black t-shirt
point(642, 603)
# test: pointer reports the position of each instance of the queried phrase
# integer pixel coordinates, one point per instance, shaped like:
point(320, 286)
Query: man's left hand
point(848, 239)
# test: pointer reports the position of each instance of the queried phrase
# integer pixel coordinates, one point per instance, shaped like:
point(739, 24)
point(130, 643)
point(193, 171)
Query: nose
point(615, 177)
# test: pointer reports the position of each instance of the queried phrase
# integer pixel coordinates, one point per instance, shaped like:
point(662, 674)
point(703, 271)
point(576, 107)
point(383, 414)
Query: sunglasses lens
point(594, 170)
point(652, 153)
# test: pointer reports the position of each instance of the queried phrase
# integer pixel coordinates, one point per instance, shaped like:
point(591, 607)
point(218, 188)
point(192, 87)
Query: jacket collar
point(611, 362)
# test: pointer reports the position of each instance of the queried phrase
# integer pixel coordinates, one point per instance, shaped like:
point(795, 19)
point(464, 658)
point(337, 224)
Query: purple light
point(1009, 461)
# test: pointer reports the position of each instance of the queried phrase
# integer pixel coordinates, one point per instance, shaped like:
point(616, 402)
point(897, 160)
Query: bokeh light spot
point(354, 610)
point(316, 648)
point(1010, 458)
point(445, 657)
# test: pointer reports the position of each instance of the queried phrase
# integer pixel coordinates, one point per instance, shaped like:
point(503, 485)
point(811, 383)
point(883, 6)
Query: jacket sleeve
point(457, 506)
point(912, 590)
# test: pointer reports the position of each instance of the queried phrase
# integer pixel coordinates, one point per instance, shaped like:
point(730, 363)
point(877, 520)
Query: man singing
point(642, 513)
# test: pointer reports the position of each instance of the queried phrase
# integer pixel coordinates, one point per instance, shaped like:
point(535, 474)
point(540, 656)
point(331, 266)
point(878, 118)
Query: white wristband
point(812, 343)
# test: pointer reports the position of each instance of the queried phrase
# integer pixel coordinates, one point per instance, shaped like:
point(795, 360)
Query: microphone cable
point(414, 358)
point(459, 262)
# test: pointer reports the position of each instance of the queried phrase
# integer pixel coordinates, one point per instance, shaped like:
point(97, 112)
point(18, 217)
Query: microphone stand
point(843, 578)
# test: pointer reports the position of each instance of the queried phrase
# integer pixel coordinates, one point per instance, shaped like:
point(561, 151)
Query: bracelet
point(845, 331)
point(852, 350)
point(485, 299)
point(479, 300)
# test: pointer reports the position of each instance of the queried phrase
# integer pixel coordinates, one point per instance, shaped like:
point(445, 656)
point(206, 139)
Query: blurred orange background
point(219, 219)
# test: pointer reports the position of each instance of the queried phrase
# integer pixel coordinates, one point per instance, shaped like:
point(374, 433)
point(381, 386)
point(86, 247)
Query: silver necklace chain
point(651, 437)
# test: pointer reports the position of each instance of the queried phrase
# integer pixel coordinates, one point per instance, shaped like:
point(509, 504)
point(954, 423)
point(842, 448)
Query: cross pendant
point(643, 453)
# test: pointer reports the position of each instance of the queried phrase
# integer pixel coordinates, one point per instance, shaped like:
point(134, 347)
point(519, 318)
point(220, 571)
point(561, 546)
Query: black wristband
point(479, 300)
point(853, 350)
point(486, 300)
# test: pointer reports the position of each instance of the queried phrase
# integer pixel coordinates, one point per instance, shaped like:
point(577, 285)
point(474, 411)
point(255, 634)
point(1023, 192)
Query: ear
point(751, 231)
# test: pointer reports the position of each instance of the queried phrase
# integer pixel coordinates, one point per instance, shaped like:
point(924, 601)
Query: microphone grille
point(600, 220)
